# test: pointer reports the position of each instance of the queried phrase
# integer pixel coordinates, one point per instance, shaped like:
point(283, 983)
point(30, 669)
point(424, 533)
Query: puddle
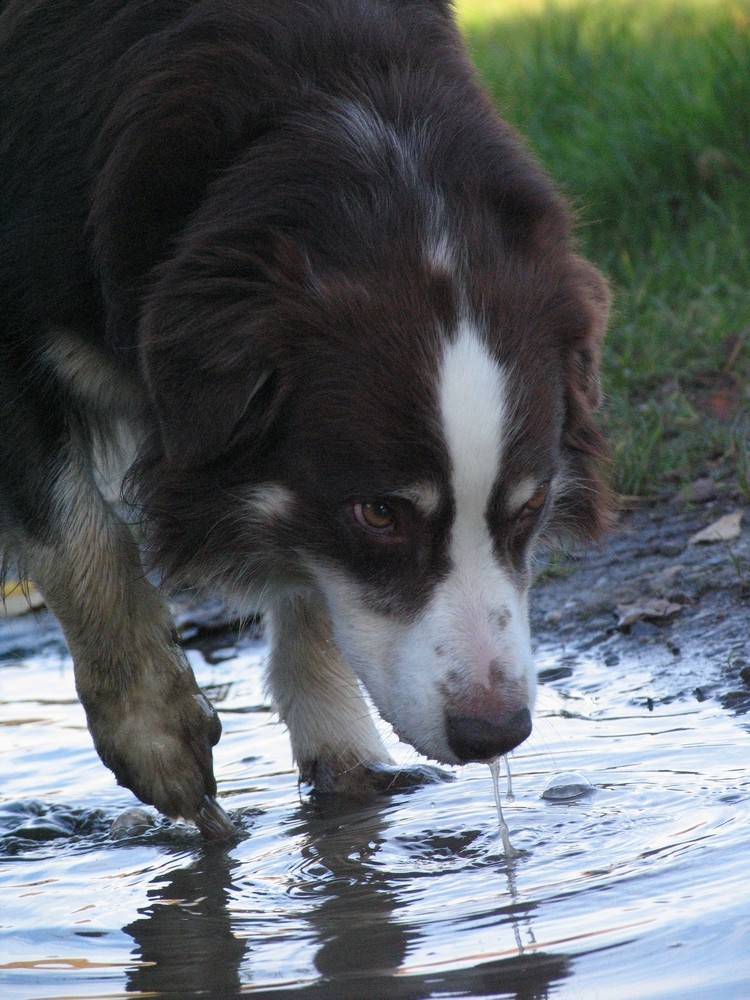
point(638, 888)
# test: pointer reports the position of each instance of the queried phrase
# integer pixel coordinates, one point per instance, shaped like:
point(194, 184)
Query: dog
point(291, 251)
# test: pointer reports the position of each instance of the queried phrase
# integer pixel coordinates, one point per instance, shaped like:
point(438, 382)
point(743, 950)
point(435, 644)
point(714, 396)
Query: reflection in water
point(187, 944)
point(184, 937)
point(639, 888)
point(353, 924)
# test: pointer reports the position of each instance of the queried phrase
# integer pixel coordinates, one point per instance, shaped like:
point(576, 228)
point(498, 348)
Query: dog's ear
point(585, 346)
point(202, 414)
point(206, 355)
point(584, 511)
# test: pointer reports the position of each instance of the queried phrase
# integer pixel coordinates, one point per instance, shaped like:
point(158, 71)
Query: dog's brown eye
point(535, 503)
point(373, 515)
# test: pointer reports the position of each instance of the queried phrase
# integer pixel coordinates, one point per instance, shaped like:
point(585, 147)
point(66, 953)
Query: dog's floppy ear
point(201, 415)
point(205, 355)
point(585, 347)
point(584, 510)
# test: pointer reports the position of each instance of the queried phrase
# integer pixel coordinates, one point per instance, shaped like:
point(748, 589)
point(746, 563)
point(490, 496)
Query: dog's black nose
point(471, 738)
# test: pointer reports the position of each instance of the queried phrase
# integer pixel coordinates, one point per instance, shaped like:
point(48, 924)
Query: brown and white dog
point(290, 247)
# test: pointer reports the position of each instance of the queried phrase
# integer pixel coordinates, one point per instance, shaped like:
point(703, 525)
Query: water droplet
point(564, 787)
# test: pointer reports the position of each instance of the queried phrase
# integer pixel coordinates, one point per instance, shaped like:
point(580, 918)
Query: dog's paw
point(390, 778)
point(158, 741)
point(365, 781)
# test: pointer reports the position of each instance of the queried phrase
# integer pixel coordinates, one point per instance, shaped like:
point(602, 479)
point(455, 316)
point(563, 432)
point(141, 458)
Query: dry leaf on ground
point(723, 530)
point(647, 608)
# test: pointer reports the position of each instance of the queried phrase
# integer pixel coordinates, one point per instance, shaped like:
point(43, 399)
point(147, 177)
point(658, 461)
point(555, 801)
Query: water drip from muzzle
point(510, 851)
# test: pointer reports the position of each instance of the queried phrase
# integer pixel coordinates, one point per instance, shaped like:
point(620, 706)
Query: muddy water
point(640, 889)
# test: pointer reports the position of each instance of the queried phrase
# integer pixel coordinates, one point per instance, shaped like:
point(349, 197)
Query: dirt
point(649, 593)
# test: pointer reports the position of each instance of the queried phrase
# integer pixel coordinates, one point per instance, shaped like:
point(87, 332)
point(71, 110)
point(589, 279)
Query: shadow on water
point(189, 942)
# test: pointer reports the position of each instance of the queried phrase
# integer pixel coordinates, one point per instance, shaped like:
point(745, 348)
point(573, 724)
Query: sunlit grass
point(641, 111)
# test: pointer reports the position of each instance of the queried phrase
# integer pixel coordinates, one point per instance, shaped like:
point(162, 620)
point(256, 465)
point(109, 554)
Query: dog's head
point(391, 416)
point(401, 453)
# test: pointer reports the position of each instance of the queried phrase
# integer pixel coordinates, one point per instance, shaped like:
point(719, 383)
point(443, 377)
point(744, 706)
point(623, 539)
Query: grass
point(641, 111)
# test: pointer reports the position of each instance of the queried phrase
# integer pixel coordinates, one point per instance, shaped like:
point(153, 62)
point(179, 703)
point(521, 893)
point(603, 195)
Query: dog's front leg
point(150, 722)
point(334, 739)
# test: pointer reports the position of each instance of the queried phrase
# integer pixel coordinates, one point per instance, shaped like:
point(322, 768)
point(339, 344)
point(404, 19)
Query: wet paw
point(389, 778)
point(366, 781)
point(158, 742)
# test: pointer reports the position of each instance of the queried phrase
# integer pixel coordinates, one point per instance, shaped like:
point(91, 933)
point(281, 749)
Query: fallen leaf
point(648, 608)
point(723, 530)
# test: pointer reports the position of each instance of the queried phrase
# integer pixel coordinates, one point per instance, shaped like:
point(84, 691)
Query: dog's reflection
point(185, 943)
point(190, 943)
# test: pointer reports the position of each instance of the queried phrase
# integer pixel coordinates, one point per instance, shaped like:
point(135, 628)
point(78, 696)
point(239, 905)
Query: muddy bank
point(656, 591)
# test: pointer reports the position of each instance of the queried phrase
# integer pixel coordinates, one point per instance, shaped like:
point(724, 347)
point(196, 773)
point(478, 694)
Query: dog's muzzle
point(477, 739)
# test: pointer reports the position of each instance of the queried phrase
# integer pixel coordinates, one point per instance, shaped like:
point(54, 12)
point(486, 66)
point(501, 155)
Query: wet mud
point(654, 591)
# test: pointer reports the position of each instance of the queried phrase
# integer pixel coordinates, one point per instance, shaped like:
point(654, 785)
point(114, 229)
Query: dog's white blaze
point(473, 404)
point(468, 651)
point(477, 609)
